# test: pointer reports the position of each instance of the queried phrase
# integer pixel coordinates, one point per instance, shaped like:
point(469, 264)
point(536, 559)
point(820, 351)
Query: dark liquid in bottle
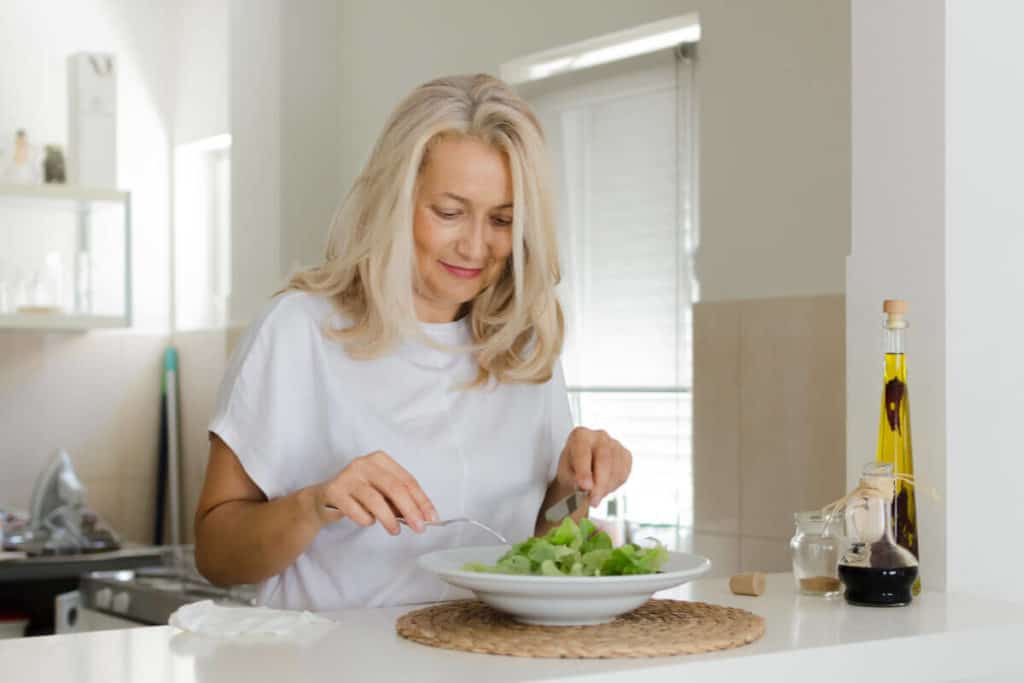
point(875, 587)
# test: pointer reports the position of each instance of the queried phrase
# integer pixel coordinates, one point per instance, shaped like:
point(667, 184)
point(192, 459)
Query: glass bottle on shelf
point(894, 442)
point(24, 166)
point(815, 549)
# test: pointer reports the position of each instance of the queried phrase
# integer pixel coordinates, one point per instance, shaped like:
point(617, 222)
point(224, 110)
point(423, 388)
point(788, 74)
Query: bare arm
point(241, 537)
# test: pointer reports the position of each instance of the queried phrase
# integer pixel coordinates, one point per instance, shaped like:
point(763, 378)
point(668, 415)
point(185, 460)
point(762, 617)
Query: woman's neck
point(427, 313)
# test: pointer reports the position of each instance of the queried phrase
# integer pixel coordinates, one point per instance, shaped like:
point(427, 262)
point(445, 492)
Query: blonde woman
point(414, 373)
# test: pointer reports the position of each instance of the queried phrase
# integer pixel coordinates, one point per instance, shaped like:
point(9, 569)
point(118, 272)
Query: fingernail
point(587, 484)
point(434, 517)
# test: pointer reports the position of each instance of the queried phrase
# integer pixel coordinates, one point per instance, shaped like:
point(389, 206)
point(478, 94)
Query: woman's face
point(462, 225)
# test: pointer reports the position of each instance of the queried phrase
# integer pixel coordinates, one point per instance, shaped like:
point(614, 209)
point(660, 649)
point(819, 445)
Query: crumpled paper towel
point(206, 618)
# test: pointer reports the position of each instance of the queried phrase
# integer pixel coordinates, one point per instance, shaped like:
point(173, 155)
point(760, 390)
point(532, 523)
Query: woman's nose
point(472, 242)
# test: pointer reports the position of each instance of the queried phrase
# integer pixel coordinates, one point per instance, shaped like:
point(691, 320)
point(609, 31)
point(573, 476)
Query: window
point(202, 233)
point(623, 148)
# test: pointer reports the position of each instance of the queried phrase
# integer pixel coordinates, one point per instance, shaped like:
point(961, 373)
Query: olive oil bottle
point(894, 442)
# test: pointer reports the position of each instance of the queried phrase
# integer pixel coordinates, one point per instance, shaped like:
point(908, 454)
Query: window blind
point(623, 152)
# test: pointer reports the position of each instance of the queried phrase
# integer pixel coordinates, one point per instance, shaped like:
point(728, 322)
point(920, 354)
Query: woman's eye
point(501, 221)
point(447, 215)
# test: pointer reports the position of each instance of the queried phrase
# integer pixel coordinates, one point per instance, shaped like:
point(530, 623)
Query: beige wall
point(769, 418)
point(774, 83)
point(774, 99)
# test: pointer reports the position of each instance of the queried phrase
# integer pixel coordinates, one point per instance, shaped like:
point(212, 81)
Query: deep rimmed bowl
point(559, 600)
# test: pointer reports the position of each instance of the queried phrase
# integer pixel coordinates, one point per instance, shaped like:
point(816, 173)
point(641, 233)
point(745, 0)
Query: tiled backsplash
point(203, 357)
point(96, 395)
point(769, 421)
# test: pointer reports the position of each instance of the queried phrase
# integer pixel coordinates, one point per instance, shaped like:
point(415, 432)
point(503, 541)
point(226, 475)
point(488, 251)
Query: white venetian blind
point(622, 147)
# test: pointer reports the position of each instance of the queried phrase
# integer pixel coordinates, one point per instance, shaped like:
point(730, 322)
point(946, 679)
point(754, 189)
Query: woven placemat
point(658, 628)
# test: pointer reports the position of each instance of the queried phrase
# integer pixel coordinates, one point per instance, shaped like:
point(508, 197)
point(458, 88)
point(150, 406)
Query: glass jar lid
point(811, 522)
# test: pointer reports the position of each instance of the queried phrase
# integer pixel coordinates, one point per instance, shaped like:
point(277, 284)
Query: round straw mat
point(657, 628)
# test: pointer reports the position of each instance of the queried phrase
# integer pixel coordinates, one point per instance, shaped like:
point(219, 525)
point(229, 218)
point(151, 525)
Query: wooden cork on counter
point(751, 583)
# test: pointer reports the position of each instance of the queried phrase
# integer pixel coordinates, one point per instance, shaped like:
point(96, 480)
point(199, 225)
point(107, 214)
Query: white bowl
point(559, 600)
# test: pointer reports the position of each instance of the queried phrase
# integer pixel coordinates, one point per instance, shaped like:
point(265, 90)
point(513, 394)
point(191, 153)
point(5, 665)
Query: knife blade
point(565, 507)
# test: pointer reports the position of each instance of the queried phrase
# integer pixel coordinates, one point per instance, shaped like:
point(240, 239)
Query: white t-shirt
point(296, 409)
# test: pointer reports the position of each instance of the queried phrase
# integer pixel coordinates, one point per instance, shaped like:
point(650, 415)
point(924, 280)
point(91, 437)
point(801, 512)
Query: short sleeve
point(559, 415)
point(264, 403)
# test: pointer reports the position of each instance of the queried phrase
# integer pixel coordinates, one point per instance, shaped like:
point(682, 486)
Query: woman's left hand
point(595, 462)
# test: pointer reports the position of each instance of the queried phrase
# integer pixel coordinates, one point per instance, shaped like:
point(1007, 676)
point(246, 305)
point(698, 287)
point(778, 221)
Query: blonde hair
point(369, 269)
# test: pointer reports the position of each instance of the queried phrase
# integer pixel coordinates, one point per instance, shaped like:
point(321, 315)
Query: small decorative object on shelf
point(23, 167)
point(53, 165)
point(92, 119)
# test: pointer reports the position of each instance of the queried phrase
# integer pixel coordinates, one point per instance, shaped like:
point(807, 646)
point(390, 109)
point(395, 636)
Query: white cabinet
point(65, 257)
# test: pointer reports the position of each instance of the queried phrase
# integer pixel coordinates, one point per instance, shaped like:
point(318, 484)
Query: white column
point(898, 241)
point(985, 296)
point(255, 114)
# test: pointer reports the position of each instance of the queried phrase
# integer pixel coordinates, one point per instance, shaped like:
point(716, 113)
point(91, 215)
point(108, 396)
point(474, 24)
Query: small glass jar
point(815, 555)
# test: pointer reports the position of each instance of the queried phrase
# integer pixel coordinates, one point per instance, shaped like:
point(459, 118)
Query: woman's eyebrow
point(452, 195)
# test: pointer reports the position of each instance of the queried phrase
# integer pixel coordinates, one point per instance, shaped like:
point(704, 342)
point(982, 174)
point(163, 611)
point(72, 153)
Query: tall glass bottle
point(894, 443)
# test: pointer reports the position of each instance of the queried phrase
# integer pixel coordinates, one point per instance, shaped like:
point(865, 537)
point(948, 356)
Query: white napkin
point(209, 619)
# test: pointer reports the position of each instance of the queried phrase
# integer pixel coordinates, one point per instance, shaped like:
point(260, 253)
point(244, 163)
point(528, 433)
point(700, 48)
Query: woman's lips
point(464, 273)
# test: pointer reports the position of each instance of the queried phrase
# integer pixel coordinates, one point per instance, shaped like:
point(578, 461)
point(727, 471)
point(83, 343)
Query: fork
point(460, 520)
point(453, 520)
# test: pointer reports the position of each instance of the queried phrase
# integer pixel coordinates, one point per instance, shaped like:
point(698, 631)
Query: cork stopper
point(894, 307)
point(894, 310)
point(751, 583)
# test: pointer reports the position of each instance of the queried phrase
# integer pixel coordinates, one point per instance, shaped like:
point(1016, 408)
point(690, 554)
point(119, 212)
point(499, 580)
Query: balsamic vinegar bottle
point(894, 442)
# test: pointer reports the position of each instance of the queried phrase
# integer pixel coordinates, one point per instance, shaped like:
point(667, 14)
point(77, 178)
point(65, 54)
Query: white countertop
point(940, 637)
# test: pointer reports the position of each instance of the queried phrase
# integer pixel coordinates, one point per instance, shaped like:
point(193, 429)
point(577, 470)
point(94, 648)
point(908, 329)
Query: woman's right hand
point(374, 488)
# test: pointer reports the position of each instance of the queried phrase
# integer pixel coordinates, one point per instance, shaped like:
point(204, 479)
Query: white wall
point(255, 120)
point(898, 246)
point(985, 287)
point(201, 96)
point(312, 117)
point(35, 40)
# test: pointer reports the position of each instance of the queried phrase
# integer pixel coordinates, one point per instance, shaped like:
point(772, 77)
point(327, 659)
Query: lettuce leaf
point(575, 550)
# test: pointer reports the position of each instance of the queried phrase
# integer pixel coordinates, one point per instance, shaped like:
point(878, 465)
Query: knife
point(565, 507)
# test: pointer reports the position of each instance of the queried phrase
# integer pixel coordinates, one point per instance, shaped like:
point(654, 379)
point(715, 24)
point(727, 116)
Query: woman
point(414, 373)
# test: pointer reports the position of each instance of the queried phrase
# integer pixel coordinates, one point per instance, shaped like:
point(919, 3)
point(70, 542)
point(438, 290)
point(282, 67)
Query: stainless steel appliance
point(138, 597)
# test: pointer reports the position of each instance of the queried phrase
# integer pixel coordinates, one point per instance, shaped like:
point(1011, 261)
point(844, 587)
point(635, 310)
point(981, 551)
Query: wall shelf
point(77, 241)
point(59, 322)
point(53, 191)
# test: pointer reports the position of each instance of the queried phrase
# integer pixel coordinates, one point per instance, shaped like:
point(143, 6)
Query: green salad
point(575, 550)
